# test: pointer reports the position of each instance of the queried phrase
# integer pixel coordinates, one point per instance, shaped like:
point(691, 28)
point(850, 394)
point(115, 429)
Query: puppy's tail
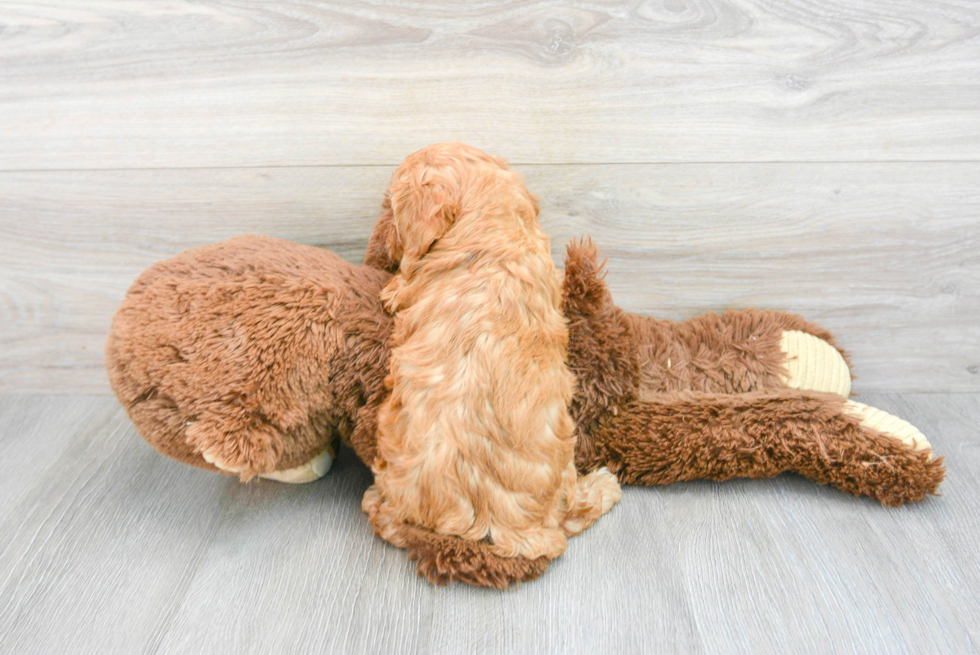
point(443, 559)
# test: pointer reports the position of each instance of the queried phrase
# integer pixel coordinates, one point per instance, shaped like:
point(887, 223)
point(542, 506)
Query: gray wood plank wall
point(822, 158)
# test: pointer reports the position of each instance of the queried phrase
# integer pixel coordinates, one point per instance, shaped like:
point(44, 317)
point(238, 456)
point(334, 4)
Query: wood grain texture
point(246, 83)
point(97, 551)
point(887, 256)
point(34, 434)
point(821, 158)
point(112, 548)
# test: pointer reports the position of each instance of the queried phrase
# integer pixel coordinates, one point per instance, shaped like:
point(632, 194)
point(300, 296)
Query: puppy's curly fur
point(475, 439)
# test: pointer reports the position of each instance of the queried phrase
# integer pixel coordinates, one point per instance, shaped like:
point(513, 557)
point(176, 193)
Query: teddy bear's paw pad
point(215, 460)
point(314, 469)
point(812, 364)
point(889, 425)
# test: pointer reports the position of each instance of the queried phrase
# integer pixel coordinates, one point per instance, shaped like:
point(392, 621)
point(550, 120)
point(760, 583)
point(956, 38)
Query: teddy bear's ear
point(422, 212)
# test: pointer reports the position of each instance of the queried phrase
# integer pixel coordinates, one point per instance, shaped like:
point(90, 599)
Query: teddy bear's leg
point(239, 441)
point(881, 421)
point(313, 470)
point(740, 351)
point(812, 364)
point(688, 436)
point(236, 444)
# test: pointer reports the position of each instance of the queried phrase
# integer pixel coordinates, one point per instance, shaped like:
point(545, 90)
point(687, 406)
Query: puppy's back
point(481, 386)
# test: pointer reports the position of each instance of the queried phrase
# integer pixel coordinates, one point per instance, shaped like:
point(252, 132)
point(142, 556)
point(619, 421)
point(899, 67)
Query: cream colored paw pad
point(214, 461)
point(812, 364)
point(892, 426)
point(314, 469)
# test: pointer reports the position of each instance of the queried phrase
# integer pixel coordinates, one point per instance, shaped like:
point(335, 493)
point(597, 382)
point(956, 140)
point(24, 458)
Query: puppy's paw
point(371, 501)
point(383, 517)
point(530, 542)
point(595, 494)
point(606, 487)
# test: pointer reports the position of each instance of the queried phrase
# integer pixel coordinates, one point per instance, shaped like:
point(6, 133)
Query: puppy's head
point(425, 197)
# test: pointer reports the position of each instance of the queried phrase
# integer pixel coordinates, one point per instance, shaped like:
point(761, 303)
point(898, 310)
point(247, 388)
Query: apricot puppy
point(475, 439)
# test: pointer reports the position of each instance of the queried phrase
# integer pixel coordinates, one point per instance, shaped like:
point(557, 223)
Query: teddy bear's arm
point(823, 437)
point(739, 351)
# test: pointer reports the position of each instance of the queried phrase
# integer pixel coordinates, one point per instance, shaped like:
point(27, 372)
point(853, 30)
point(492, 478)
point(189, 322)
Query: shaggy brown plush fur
point(255, 353)
point(691, 436)
point(661, 402)
point(443, 559)
point(295, 339)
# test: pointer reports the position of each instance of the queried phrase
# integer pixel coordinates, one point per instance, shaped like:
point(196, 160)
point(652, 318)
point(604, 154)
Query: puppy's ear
point(377, 255)
point(422, 212)
point(535, 207)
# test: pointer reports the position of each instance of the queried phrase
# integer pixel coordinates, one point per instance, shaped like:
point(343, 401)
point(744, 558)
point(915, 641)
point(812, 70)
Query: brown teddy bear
point(257, 357)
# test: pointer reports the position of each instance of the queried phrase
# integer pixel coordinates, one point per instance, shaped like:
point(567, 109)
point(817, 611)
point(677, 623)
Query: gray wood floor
point(106, 546)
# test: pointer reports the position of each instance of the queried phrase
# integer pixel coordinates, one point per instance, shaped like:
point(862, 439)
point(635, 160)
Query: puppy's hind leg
point(595, 494)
